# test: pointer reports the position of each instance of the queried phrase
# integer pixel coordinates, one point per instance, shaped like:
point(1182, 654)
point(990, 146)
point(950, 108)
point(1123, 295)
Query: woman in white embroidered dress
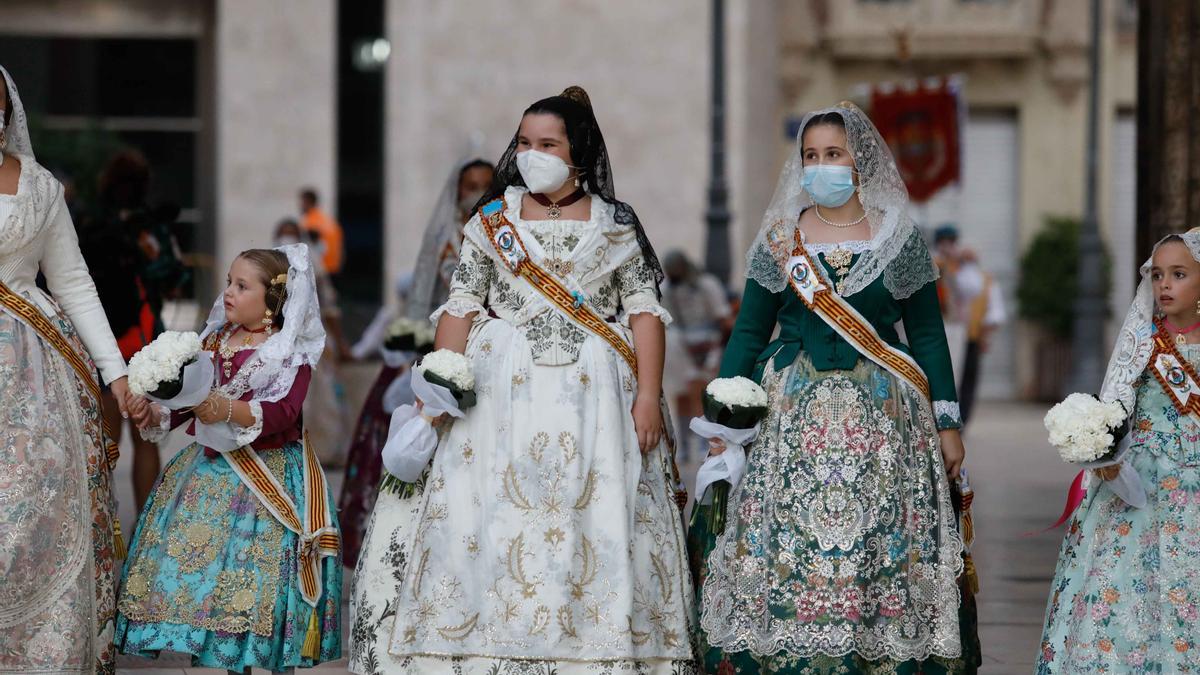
point(547, 534)
point(58, 590)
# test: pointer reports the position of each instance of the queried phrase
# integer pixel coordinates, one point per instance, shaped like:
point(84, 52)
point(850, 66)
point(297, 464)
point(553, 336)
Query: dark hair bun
point(577, 94)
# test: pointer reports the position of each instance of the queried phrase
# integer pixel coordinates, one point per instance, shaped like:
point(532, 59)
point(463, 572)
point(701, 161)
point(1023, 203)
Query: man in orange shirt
point(330, 232)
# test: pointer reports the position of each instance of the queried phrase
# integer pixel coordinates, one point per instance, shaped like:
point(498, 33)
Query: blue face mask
point(829, 185)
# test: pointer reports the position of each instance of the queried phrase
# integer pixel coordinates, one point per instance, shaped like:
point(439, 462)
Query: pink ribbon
point(1075, 495)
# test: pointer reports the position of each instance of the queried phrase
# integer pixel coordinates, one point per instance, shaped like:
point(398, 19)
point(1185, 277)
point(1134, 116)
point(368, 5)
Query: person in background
point(973, 307)
point(703, 319)
point(314, 219)
point(134, 260)
point(418, 294)
point(326, 398)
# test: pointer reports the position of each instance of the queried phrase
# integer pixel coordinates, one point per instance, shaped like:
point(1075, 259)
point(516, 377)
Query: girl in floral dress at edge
point(235, 558)
point(840, 552)
point(1126, 591)
point(547, 538)
point(425, 290)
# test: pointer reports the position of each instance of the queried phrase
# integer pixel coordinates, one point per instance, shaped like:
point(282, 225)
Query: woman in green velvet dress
point(841, 552)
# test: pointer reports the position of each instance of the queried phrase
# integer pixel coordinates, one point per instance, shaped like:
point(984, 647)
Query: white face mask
point(542, 172)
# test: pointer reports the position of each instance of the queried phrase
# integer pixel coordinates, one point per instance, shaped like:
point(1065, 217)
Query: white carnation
point(450, 366)
point(737, 391)
point(1081, 427)
point(162, 361)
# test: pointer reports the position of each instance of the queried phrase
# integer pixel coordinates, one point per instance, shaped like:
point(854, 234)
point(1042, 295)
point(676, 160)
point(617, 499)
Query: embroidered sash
point(512, 251)
point(33, 317)
point(1174, 373)
point(318, 535)
point(804, 278)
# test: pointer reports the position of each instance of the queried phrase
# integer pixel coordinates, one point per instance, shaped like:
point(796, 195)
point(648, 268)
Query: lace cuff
point(459, 307)
point(157, 433)
point(644, 305)
point(947, 415)
point(247, 435)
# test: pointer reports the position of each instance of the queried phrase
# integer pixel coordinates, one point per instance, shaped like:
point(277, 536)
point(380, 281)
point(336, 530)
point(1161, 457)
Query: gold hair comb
point(280, 279)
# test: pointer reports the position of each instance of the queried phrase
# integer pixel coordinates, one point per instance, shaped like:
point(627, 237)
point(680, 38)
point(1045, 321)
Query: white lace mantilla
point(898, 253)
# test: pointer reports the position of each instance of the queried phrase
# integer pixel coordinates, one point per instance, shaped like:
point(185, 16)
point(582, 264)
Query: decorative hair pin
point(280, 279)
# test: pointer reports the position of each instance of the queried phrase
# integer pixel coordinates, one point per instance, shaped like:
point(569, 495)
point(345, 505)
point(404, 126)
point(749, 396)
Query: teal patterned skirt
point(839, 547)
point(213, 574)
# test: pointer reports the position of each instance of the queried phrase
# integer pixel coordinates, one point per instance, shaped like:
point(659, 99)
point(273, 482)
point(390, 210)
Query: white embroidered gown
point(542, 533)
point(57, 584)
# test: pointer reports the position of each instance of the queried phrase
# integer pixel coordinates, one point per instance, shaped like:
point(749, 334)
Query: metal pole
point(716, 255)
point(1088, 335)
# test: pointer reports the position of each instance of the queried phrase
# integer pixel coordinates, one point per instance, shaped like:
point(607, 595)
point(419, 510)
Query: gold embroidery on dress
point(242, 600)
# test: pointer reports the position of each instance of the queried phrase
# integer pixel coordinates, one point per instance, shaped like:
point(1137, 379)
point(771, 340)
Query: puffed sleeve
point(469, 287)
point(273, 417)
point(638, 288)
point(752, 331)
point(926, 333)
point(72, 287)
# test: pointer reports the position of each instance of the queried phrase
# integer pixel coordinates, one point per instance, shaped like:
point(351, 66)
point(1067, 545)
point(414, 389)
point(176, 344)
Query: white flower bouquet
point(733, 409)
point(444, 383)
point(1094, 434)
point(452, 371)
point(1085, 429)
point(409, 335)
point(172, 370)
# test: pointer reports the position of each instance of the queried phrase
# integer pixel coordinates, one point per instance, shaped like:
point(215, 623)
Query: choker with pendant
point(554, 209)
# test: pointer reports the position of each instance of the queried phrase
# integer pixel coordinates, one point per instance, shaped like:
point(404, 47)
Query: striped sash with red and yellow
point(315, 527)
point(805, 280)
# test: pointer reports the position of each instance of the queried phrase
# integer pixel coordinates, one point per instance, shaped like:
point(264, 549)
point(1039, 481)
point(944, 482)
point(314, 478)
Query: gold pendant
point(553, 212)
point(840, 258)
point(1180, 340)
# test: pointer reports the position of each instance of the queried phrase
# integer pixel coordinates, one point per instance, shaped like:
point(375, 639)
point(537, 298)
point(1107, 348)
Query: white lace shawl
point(898, 252)
point(1131, 354)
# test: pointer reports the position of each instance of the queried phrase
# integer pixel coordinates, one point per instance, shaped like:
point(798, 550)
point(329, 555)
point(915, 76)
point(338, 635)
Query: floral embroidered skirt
point(213, 574)
point(57, 574)
point(543, 540)
point(1126, 592)
point(840, 552)
point(364, 466)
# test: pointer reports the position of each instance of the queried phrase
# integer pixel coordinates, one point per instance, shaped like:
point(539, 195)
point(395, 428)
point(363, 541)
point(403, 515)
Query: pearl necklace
point(838, 225)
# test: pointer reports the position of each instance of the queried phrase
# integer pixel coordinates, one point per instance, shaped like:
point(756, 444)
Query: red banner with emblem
point(921, 125)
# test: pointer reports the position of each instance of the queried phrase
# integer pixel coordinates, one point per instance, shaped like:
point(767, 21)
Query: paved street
point(1019, 484)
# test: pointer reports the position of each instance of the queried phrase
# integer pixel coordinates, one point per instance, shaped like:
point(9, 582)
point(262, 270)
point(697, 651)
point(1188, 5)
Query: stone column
point(276, 112)
point(1168, 120)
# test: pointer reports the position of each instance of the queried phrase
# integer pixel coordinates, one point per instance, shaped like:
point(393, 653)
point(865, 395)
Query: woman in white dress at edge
point(57, 516)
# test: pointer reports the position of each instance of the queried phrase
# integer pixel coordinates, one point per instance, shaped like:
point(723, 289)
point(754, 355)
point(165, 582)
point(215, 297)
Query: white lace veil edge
point(442, 229)
point(883, 196)
point(271, 371)
point(1131, 353)
point(16, 134)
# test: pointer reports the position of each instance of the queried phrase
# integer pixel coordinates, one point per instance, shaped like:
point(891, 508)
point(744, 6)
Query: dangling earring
point(576, 180)
point(1198, 307)
point(268, 322)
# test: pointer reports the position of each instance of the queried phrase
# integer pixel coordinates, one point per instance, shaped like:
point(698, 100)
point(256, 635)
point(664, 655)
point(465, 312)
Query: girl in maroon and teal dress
point(235, 558)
